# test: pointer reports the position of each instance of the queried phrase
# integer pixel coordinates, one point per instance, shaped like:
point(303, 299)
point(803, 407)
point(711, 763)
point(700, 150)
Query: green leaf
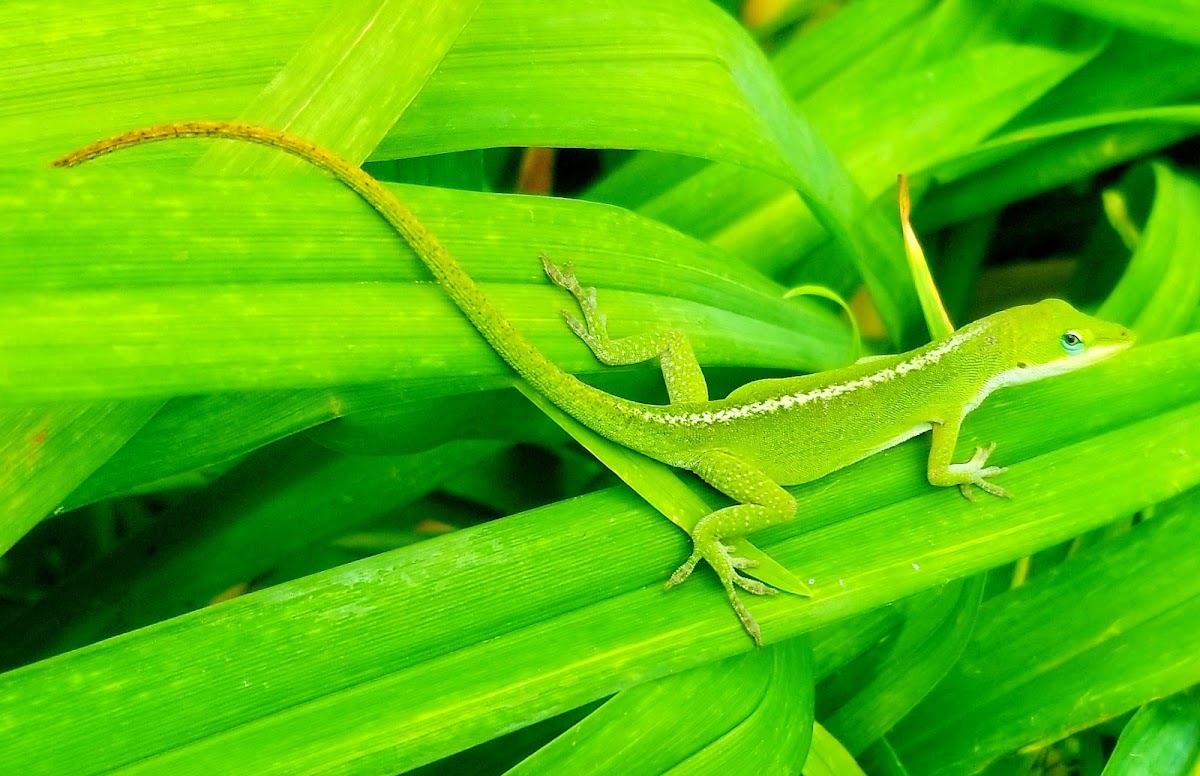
point(190, 433)
point(335, 73)
point(494, 86)
point(750, 708)
point(1175, 19)
point(1125, 632)
point(28, 55)
point(1160, 290)
point(1098, 117)
point(45, 452)
point(1162, 739)
point(836, 645)
point(195, 285)
point(279, 501)
point(278, 305)
point(937, 320)
point(884, 115)
point(692, 66)
point(559, 592)
point(827, 757)
point(840, 44)
point(930, 641)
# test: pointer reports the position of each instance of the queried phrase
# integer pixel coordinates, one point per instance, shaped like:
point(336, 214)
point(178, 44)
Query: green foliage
point(252, 460)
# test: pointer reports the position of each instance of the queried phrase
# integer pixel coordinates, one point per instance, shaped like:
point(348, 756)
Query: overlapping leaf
point(764, 717)
point(289, 297)
point(548, 596)
point(1125, 631)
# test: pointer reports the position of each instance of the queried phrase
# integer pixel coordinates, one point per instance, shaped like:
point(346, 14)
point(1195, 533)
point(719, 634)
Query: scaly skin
point(766, 434)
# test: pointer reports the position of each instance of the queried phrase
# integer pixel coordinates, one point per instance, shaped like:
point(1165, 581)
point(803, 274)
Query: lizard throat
point(1030, 374)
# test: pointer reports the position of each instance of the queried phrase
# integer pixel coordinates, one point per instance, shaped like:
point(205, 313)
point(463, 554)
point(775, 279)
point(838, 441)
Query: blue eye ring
point(1071, 342)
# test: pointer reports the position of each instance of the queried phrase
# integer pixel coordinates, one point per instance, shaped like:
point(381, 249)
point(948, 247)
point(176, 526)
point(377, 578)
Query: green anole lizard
point(765, 435)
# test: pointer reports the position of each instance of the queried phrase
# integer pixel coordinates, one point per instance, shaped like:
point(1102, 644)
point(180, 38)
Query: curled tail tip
point(150, 134)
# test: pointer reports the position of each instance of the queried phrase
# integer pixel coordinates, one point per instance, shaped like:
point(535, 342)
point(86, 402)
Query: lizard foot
point(979, 472)
point(593, 329)
point(727, 565)
point(594, 326)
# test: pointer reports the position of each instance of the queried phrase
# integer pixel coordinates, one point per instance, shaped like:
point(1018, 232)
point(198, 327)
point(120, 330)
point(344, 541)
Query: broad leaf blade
point(828, 757)
point(1162, 739)
point(238, 531)
point(124, 319)
point(930, 641)
point(558, 592)
point(45, 452)
point(1126, 633)
point(1175, 19)
point(335, 87)
point(695, 721)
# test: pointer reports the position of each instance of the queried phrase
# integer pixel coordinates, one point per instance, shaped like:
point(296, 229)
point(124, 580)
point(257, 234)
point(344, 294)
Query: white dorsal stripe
point(824, 393)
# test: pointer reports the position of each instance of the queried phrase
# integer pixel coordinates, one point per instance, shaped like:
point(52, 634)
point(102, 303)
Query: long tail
point(585, 403)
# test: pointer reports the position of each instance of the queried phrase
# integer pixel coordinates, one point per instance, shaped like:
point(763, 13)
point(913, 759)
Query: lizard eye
point(1071, 342)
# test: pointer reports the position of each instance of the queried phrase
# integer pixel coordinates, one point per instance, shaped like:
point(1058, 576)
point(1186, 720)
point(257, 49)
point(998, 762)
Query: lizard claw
point(552, 272)
point(727, 565)
point(979, 472)
point(742, 563)
point(593, 328)
point(563, 278)
point(753, 585)
point(575, 324)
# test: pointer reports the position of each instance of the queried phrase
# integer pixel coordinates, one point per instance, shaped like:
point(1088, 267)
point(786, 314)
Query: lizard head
point(1052, 337)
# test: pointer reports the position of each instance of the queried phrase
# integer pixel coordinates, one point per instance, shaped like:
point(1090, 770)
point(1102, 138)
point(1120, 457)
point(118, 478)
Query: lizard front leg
point(763, 504)
point(944, 472)
point(681, 371)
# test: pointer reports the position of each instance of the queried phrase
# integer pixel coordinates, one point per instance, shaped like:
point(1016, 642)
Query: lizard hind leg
point(681, 371)
point(763, 504)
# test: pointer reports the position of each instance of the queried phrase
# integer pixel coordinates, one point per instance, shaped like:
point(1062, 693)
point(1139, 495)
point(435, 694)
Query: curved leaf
point(1125, 633)
point(928, 644)
point(1162, 739)
point(885, 114)
point(828, 757)
point(196, 285)
point(575, 590)
point(394, 661)
point(336, 73)
point(704, 73)
point(45, 452)
point(718, 718)
point(1160, 290)
point(1175, 19)
point(253, 518)
point(33, 54)
point(637, 75)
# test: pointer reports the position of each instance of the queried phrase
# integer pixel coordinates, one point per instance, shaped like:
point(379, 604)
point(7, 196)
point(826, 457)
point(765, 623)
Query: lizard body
point(766, 434)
